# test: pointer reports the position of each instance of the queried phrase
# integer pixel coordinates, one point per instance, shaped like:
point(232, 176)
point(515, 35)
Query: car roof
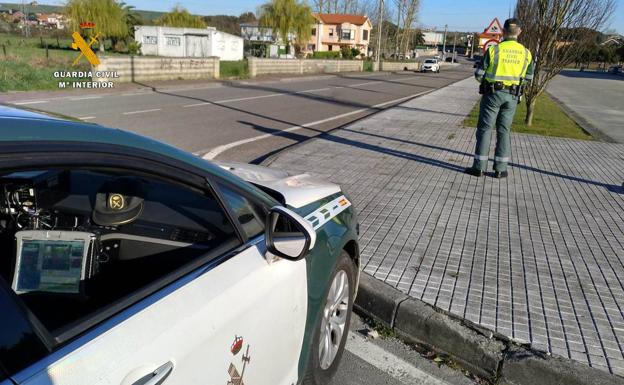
point(21, 125)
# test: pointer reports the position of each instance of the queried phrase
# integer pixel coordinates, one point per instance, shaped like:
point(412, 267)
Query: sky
point(461, 15)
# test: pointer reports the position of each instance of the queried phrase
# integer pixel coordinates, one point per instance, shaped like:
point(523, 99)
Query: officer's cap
point(511, 23)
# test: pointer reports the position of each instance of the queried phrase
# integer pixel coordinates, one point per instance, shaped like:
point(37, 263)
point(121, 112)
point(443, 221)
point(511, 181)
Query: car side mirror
point(288, 235)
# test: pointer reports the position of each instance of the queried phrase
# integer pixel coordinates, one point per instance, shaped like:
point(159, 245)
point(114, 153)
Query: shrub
point(326, 55)
point(346, 53)
point(134, 48)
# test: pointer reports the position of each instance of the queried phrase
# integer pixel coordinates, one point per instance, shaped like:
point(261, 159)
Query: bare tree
point(556, 31)
point(410, 10)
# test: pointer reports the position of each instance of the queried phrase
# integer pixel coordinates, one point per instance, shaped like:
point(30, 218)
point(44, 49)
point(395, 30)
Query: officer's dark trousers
point(497, 110)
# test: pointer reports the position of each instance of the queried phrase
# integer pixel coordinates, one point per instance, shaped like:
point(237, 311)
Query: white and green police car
point(126, 261)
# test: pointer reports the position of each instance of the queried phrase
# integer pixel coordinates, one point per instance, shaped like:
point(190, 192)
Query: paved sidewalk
point(538, 257)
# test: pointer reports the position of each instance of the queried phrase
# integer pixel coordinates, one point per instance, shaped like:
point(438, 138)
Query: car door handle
point(158, 376)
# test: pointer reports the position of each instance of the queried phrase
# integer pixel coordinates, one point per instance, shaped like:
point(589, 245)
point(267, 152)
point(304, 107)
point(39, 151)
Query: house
point(335, 31)
point(433, 38)
point(262, 41)
point(53, 20)
point(188, 42)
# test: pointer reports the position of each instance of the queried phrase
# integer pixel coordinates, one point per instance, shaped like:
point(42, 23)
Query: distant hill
point(42, 8)
point(225, 23)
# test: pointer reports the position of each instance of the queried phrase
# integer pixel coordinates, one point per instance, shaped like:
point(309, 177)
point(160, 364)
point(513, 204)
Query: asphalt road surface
point(387, 361)
point(243, 121)
point(596, 97)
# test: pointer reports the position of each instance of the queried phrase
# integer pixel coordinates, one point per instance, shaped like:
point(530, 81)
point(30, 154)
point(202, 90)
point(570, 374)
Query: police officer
point(502, 73)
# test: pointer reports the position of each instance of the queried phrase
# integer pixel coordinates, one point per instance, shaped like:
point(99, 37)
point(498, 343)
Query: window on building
point(313, 31)
point(345, 34)
point(330, 48)
point(331, 32)
point(150, 40)
point(365, 34)
point(173, 41)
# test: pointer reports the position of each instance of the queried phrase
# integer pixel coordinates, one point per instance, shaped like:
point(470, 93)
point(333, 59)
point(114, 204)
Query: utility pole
point(396, 49)
point(380, 27)
point(444, 43)
point(454, 41)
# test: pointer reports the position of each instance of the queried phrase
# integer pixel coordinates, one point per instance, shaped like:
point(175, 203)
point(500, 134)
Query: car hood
point(297, 190)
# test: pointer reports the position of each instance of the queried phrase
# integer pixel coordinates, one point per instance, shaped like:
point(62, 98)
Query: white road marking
point(141, 112)
point(220, 149)
point(30, 102)
point(389, 363)
point(87, 97)
point(87, 118)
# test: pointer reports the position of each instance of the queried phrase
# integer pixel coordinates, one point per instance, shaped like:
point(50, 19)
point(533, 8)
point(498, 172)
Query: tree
point(288, 17)
point(108, 16)
point(181, 18)
point(556, 31)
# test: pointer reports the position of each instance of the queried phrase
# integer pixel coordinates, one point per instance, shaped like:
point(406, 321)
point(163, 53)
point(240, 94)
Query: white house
point(433, 37)
point(188, 42)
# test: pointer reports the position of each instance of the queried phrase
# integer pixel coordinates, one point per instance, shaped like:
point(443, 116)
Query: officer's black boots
point(473, 171)
point(500, 174)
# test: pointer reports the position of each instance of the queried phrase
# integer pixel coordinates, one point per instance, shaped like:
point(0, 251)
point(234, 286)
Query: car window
point(80, 240)
point(251, 215)
point(429, 61)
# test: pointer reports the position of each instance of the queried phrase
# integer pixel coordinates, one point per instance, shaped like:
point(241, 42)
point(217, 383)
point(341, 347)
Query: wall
point(141, 68)
point(400, 66)
point(259, 66)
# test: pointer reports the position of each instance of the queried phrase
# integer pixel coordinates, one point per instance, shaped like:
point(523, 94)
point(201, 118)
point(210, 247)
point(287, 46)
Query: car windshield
point(429, 61)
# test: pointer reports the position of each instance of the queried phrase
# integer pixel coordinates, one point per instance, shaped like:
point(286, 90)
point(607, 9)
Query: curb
point(589, 128)
point(483, 352)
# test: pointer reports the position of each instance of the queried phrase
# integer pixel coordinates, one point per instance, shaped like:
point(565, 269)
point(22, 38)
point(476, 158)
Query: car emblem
point(116, 202)
point(237, 345)
point(236, 377)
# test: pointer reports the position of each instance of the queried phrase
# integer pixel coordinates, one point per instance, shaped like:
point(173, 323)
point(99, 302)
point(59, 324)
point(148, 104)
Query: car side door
point(232, 317)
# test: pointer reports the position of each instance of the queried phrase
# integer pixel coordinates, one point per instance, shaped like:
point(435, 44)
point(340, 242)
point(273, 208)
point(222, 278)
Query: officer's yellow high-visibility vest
point(508, 63)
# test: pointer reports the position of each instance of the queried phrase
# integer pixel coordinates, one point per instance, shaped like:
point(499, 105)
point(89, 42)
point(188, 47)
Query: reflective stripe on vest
point(498, 54)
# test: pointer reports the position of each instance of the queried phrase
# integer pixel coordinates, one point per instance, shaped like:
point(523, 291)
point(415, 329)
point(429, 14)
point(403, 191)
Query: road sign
point(488, 44)
point(494, 28)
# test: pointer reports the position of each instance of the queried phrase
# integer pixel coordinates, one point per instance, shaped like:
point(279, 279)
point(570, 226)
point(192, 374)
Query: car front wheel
point(333, 326)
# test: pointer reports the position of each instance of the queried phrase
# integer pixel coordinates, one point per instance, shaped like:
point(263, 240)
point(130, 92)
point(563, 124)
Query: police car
point(127, 261)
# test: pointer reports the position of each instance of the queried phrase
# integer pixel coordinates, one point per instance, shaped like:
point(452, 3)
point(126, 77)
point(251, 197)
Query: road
point(598, 98)
point(226, 119)
point(388, 361)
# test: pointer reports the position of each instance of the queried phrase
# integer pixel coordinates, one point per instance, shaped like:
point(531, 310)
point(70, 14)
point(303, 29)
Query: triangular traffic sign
point(495, 28)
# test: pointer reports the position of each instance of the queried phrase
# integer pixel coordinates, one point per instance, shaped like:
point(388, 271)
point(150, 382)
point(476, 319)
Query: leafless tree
point(556, 32)
point(410, 14)
point(336, 6)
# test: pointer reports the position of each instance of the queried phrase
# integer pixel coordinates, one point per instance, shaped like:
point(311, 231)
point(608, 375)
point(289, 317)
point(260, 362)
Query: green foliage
point(346, 53)
point(234, 69)
point(229, 24)
point(368, 66)
point(181, 18)
point(326, 55)
point(549, 120)
point(288, 17)
point(134, 48)
point(108, 15)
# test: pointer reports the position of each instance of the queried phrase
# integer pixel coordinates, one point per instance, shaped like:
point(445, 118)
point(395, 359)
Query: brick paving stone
point(538, 256)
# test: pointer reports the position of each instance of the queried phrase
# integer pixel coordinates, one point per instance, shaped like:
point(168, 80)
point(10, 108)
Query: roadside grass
point(549, 120)
point(24, 65)
point(368, 66)
point(234, 69)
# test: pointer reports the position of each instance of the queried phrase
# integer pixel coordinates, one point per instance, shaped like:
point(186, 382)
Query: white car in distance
point(430, 65)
